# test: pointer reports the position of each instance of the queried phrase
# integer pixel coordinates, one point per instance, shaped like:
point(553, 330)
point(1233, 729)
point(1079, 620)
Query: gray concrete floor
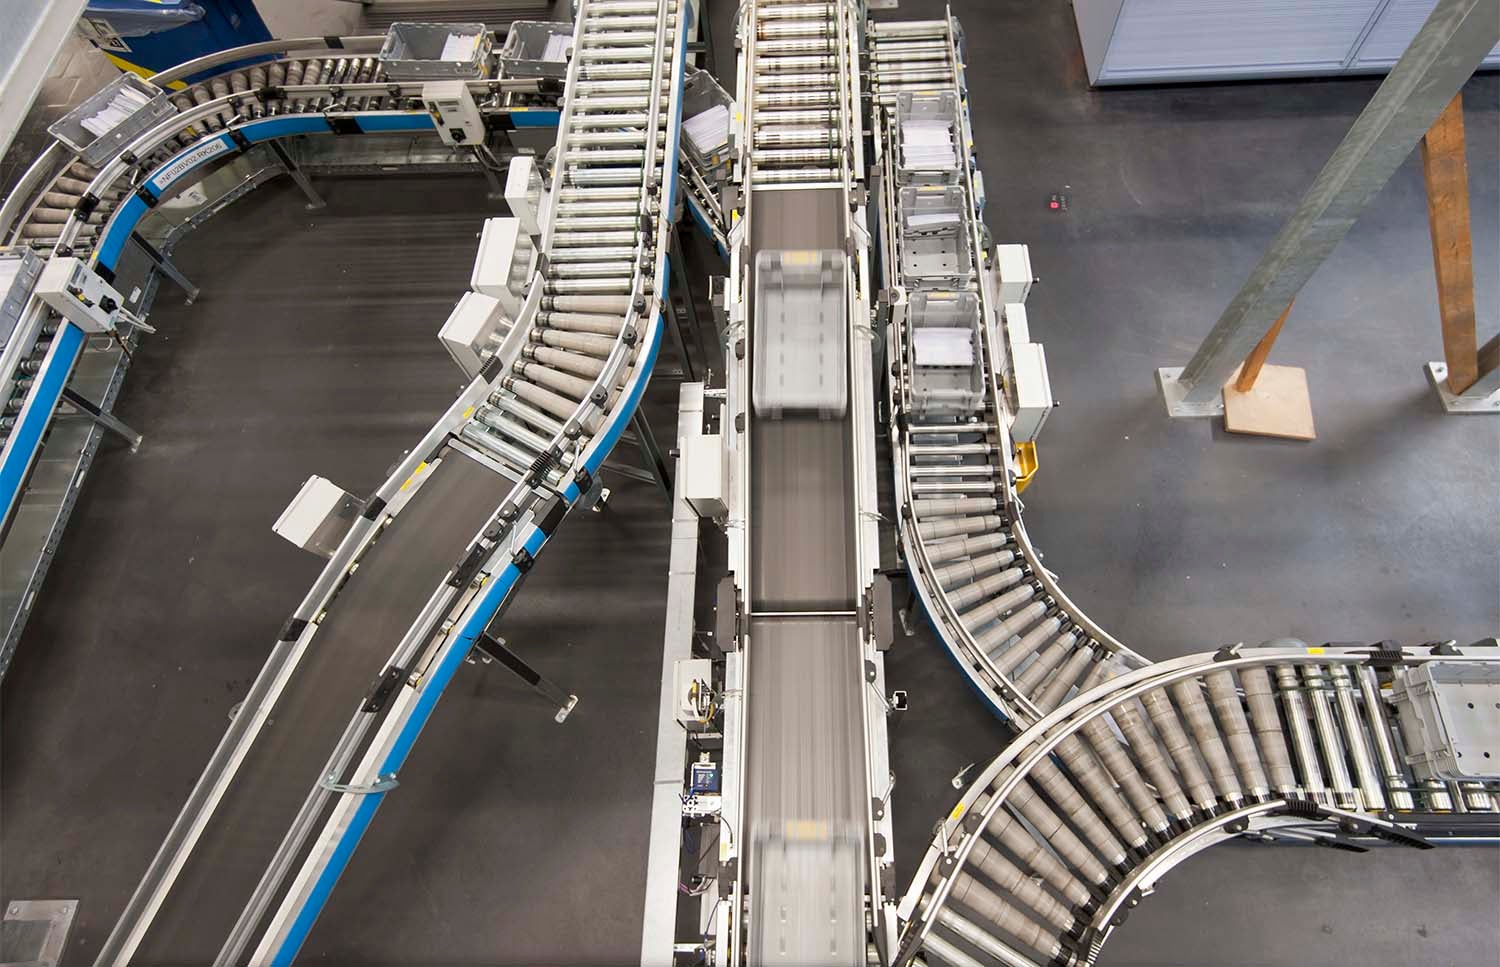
point(515, 841)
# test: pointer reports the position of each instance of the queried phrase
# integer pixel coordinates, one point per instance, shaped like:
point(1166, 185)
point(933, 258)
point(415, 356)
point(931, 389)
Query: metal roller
point(555, 286)
point(1058, 836)
point(1046, 660)
point(1000, 639)
point(1116, 759)
point(1153, 760)
point(1080, 811)
point(1320, 699)
point(1267, 723)
point(1158, 705)
point(612, 305)
point(1019, 884)
point(589, 343)
point(1035, 856)
point(952, 526)
point(952, 548)
point(1302, 740)
point(575, 363)
point(501, 449)
point(1237, 735)
point(961, 598)
point(1095, 780)
point(950, 506)
point(560, 383)
point(1071, 673)
point(987, 904)
point(510, 425)
point(1200, 721)
point(1395, 780)
point(1365, 770)
point(1007, 602)
point(582, 322)
point(972, 569)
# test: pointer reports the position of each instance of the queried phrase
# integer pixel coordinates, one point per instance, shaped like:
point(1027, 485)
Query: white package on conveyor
point(708, 130)
point(460, 47)
point(941, 346)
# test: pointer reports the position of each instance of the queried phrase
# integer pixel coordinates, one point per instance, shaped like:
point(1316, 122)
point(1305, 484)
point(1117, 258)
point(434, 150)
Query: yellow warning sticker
point(958, 813)
point(1315, 651)
point(414, 475)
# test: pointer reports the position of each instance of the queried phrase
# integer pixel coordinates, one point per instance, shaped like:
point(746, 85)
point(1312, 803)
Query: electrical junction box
point(1030, 387)
point(80, 296)
point(504, 263)
point(454, 112)
point(523, 192)
point(319, 516)
point(474, 330)
point(1013, 270)
point(692, 684)
point(702, 468)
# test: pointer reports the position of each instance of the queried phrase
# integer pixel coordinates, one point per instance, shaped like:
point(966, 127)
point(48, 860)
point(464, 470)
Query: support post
point(496, 649)
point(651, 453)
point(1446, 172)
point(1245, 382)
point(165, 266)
point(1442, 56)
point(314, 200)
point(102, 417)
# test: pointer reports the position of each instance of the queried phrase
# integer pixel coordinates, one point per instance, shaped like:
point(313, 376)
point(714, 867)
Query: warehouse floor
point(516, 841)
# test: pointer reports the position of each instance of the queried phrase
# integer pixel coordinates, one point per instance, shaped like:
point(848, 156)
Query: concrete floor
point(515, 841)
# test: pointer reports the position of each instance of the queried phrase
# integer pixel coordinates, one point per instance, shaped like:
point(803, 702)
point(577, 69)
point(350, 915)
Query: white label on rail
point(187, 162)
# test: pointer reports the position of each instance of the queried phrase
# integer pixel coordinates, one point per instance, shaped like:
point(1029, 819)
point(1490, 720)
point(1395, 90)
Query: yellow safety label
point(1315, 651)
point(414, 474)
point(469, 412)
point(958, 813)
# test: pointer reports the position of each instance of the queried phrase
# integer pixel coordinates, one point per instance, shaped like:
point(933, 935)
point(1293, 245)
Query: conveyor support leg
point(314, 200)
point(165, 266)
point(102, 417)
point(495, 649)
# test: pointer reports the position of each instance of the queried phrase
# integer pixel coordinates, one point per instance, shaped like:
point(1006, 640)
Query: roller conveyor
point(1072, 824)
point(441, 548)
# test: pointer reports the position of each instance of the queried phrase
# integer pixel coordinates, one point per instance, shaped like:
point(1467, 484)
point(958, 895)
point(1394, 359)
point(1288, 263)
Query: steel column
point(1443, 55)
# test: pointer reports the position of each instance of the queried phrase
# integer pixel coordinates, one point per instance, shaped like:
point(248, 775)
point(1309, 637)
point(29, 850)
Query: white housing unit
point(523, 192)
point(318, 517)
point(472, 329)
point(82, 297)
point(454, 112)
point(503, 264)
point(1033, 391)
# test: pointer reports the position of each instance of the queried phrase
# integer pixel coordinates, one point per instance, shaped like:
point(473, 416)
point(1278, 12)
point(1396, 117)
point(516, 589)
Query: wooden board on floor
point(1278, 405)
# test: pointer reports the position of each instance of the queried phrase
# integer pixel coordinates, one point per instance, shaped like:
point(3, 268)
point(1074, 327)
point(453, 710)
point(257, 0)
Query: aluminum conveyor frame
point(534, 379)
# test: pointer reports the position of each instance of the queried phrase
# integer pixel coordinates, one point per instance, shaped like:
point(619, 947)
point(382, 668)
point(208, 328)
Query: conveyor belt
point(806, 796)
point(375, 608)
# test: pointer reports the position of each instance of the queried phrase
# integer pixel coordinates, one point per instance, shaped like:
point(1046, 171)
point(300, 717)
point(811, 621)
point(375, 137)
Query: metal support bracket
point(102, 417)
point(165, 266)
point(314, 200)
point(1174, 393)
point(36, 932)
point(1482, 397)
point(491, 648)
point(385, 783)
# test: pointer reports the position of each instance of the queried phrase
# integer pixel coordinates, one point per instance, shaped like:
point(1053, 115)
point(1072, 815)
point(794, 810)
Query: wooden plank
point(1447, 174)
point(1277, 406)
point(1257, 358)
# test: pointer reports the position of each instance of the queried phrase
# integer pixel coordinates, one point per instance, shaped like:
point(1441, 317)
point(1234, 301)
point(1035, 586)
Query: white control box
point(82, 297)
point(1013, 270)
point(504, 263)
point(454, 112)
point(702, 469)
point(1031, 386)
point(523, 193)
point(318, 517)
point(477, 324)
point(693, 687)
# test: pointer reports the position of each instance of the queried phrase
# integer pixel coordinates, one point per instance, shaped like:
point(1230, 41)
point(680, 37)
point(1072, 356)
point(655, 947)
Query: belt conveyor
point(447, 539)
point(811, 864)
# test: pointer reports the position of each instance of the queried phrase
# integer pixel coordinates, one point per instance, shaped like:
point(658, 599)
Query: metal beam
point(1442, 56)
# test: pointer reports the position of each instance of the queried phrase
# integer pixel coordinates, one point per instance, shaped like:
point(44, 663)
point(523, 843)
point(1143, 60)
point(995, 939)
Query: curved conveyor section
point(446, 541)
point(1123, 768)
point(1002, 616)
point(1077, 819)
point(63, 205)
